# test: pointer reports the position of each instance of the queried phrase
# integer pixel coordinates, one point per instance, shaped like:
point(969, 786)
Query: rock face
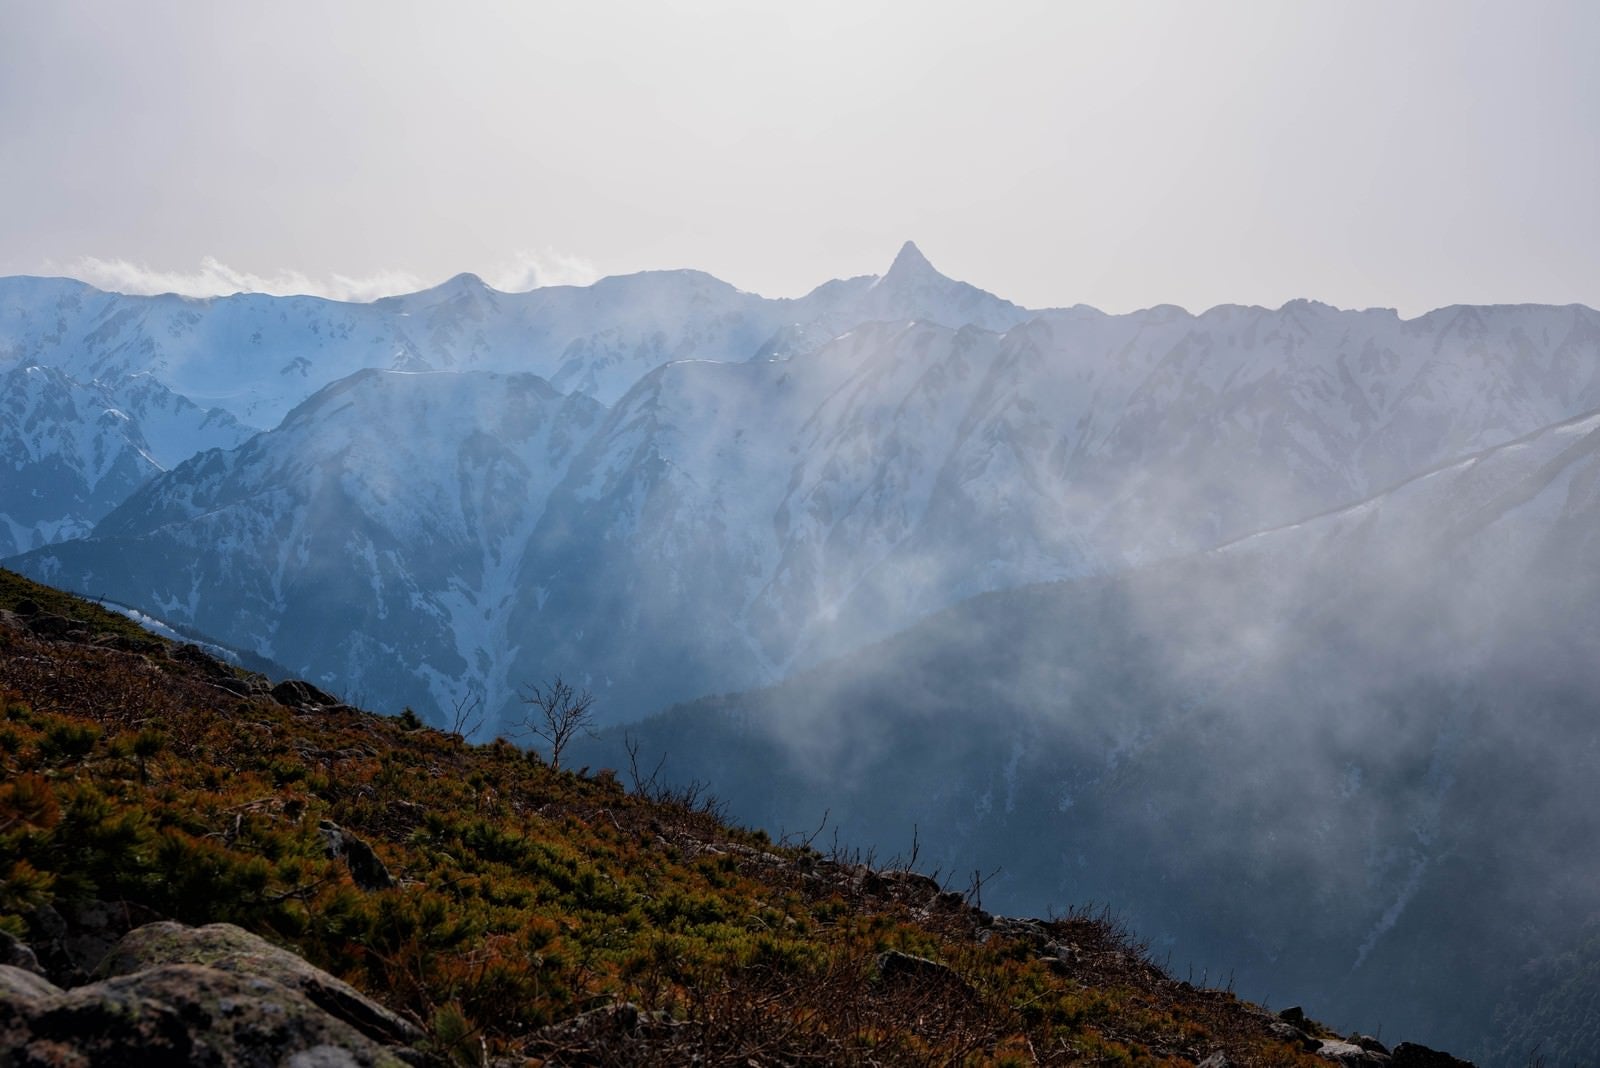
point(215, 995)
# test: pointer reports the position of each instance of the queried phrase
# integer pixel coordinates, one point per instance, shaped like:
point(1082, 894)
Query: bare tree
point(644, 786)
point(557, 713)
point(466, 716)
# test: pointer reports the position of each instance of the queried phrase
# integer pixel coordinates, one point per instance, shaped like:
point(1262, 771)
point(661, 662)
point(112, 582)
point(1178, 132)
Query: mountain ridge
point(747, 517)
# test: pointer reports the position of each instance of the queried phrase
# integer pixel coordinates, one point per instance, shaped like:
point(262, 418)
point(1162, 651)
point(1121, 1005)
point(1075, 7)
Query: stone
point(895, 967)
point(1411, 1055)
point(233, 685)
point(1287, 1032)
point(1350, 1055)
point(50, 625)
point(69, 938)
point(366, 867)
point(231, 949)
point(298, 693)
point(1019, 928)
point(185, 1014)
point(198, 658)
point(900, 882)
point(1217, 1060)
point(20, 983)
point(19, 955)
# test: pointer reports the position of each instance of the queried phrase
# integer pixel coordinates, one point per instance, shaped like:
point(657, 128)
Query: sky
point(1364, 152)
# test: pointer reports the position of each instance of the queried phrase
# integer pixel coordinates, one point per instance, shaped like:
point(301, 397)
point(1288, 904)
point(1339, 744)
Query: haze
point(1121, 155)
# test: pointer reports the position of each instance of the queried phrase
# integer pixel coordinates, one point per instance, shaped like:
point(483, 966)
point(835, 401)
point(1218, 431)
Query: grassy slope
point(526, 895)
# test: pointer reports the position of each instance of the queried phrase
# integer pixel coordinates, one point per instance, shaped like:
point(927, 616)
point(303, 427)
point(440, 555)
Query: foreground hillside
point(493, 906)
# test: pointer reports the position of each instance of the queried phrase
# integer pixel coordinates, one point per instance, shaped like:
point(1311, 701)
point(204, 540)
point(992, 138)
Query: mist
point(1349, 763)
point(1270, 626)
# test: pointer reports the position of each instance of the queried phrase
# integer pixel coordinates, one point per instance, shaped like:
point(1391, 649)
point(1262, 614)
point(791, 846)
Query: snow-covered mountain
point(258, 356)
point(74, 452)
point(249, 359)
point(374, 536)
point(727, 520)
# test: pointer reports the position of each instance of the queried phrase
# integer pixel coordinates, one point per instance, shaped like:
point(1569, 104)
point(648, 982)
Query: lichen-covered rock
point(231, 949)
point(183, 1014)
point(21, 983)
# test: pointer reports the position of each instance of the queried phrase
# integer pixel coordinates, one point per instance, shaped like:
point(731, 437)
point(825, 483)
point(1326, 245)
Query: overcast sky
point(1116, 154)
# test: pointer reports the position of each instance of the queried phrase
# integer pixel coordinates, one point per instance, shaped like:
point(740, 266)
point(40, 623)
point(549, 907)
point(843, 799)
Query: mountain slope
point(75, 451)
point(380, 525)
point(1354, 745)
point(509, 909)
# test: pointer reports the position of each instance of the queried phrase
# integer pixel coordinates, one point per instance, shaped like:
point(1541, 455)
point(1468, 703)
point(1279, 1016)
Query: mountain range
point(741, 486)
point(1151, 606)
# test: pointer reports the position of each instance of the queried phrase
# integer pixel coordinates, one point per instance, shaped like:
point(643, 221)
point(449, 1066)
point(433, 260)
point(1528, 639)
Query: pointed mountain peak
point(910, 263)
point(465, 282)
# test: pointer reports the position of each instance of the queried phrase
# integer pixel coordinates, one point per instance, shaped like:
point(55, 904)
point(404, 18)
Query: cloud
point(214, 278)
point(526, 270)
point(523, 270)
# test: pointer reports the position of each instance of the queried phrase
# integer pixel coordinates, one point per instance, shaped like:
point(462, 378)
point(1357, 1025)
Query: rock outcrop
point(215, 995)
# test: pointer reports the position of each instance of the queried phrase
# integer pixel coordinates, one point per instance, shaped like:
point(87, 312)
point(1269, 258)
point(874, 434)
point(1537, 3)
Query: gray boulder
point(1351, 1055)
point(185, 1014)
point(71, 937)
point(298, 693)
point(226, 948)
point(24, 985)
